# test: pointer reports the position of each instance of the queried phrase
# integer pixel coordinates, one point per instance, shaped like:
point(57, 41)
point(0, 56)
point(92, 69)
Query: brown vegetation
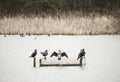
point(63, 24)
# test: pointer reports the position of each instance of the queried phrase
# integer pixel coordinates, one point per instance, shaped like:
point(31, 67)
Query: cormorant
point(59, 55)
point(45, 53)
point(81, 54)
point(34, 53)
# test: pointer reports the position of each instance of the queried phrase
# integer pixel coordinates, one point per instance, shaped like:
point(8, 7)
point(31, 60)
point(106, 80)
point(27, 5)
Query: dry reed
point(71, 24)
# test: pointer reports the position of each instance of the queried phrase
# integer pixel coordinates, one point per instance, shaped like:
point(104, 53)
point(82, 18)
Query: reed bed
point(65, 25)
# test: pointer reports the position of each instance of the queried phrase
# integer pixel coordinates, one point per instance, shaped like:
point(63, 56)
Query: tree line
point(15, 7)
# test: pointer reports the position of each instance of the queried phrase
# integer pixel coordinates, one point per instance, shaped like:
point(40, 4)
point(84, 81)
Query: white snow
point(102, 58)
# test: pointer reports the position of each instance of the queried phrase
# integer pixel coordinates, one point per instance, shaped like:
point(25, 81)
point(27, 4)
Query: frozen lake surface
point(102, 58)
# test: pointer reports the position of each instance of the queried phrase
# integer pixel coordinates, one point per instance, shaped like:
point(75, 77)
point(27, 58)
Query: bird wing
point(64, 54)
point(54, 54)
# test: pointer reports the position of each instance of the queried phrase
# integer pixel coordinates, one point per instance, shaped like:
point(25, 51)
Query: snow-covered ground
point(102, 58)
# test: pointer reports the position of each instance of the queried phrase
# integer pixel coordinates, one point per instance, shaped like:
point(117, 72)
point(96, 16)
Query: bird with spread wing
point(59, 55)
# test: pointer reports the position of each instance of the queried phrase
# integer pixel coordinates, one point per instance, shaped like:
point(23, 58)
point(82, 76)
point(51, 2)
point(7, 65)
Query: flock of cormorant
point(59, 54)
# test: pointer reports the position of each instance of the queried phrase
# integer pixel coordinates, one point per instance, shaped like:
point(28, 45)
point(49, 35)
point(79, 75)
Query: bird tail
point(29, 56)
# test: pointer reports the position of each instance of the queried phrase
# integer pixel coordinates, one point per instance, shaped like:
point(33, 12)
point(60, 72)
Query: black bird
point(45, 53)
point(59, 55)
point(34, 53)
point(81, 54)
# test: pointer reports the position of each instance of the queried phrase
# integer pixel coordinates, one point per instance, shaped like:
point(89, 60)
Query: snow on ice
point(102, 58)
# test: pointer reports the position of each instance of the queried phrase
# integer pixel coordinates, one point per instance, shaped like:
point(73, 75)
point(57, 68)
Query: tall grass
point(64, 24)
